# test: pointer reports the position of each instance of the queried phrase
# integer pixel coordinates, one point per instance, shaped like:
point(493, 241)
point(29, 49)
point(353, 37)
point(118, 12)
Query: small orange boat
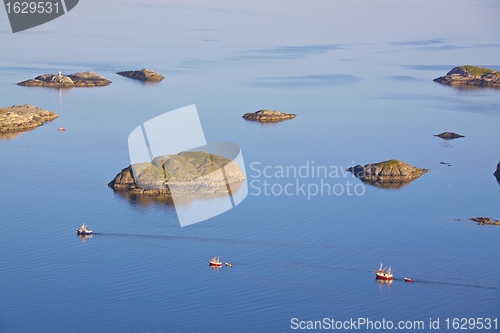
point(61, 129)
point(409, 280)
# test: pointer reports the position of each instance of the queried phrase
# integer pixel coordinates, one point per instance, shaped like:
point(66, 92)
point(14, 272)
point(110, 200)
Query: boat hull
point(383, 276)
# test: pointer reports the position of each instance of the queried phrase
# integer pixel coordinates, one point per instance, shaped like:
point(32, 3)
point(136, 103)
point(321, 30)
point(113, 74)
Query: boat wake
point(456, 284)
point(288, 264)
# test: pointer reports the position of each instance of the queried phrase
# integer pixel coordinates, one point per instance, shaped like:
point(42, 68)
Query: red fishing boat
point(215, 262)
point(384, 273)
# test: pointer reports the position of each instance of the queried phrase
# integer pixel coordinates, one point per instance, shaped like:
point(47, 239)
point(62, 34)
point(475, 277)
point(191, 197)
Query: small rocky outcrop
point(471, 76)
point(387, 174)
point(497, 173)
point(268, 116)
point(82, 79)
point(449, 135)
point(185, 174)
point(143, 75)
point(19, 118)
point(485, 221)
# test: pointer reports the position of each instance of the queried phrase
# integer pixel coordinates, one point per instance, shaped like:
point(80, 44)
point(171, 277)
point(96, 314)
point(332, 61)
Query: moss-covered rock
point(189, 173)
point(471, 76)
point(387, 174)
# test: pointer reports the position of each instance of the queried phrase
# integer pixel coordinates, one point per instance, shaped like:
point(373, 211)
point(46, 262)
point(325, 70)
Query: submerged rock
point(82, 79)
point(185, 174)
point(485, 221)
point(387, 174)
point(142, 75)
point(268, 116)
point(471, 76)
point(19, 118)
point(449, 135)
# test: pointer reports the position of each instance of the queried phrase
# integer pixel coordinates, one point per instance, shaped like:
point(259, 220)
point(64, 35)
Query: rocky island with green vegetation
point(20, 118)
point(471, 76)
point(388, 174)
point(81, 79)
point(268, 116)
point(187, 173)
point(143, 75)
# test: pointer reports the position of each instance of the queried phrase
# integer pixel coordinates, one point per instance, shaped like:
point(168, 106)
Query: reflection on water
point(326, 80)
point(11, 136)
point(404, 78)
point(394, 185)
point(146, 200)
point(380, 281)
point(84, 237)
point(384, 284)
point(468, 87)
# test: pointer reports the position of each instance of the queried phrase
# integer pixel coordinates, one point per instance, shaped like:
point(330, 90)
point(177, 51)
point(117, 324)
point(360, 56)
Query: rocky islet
point(143, 75)
point(190, 173)
point(268, 116)
point(20, 118)
point(449, 135)
point(387, 174)
point(81, 79)
point(471, 76)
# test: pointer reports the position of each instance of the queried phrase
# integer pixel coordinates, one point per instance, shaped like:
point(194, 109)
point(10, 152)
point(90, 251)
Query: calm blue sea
point(358, 76)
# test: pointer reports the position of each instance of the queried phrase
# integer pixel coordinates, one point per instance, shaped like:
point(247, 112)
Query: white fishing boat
point(83, 230)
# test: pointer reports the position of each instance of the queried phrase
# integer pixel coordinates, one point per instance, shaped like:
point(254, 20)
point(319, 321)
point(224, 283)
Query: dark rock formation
point(388, 174)
point(82, 79)
point(471, 76)
point(143, 75)
point(497, 173)
point(449, 135)
point(19, 118)
point(268, 116)
point(485, 221)
point(185, 174)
